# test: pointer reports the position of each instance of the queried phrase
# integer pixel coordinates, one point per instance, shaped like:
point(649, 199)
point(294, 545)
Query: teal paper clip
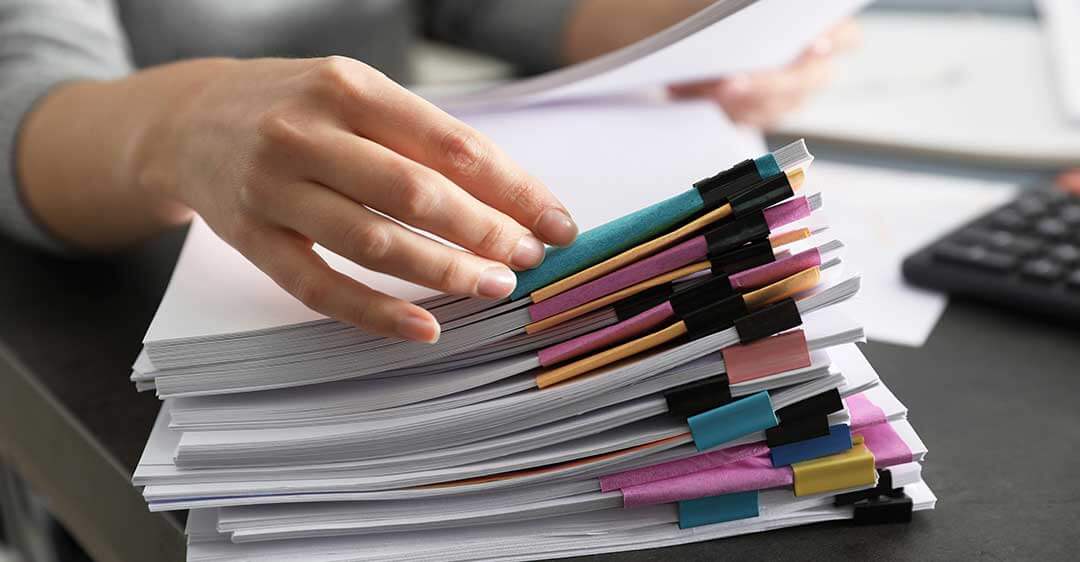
point(718, 509)
point(767, 166)
point(598, 244)
point(733, 420)
point(612, 238)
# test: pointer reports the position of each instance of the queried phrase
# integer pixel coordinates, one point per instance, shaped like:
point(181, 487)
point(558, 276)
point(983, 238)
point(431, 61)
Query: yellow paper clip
point(850, 469)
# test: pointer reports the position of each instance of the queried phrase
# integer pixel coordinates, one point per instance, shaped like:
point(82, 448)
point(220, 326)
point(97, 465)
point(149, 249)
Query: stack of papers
point(686, 371)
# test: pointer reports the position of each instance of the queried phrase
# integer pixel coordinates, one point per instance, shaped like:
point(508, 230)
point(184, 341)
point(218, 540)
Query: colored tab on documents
point(731, 421)
point(718, 509)
point(850, 469)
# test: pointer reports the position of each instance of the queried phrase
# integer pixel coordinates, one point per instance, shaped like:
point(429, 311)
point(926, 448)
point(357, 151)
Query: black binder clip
point(770, 320)
point(700, 396)
point(758, 252)
point(880, 504)
point(804, 419)
point(793, 431)
point(643, 301)
point(884, 510)
point(716, 190)
point(715, 317)
point(728, 236)
point(884, 488)
point(819, 404)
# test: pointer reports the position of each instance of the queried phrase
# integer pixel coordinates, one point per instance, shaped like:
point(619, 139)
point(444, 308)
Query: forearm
point(81, 151)
point(596, 27)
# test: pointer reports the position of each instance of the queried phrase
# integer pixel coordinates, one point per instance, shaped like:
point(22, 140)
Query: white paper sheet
point(1061, 22)
point(965, 86)
point(884, 215)
point(722, 39)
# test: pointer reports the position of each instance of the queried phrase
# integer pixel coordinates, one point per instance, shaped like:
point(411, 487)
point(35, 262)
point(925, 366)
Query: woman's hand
point(277, 155)
point(763, 98)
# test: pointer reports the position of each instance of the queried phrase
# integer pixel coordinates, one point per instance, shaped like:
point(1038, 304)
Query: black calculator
point(1025, 255)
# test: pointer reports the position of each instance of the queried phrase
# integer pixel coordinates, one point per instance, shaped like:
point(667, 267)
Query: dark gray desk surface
point(994, 394)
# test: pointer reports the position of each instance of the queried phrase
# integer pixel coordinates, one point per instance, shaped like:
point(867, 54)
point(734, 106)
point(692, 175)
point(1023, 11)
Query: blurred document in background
point(955, 85)
point(883, 215)
point(1061, 20)
point(722, 39)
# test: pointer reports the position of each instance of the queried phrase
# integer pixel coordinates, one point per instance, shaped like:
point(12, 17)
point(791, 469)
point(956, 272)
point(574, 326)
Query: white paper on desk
point(884, 215)
point(602, 160)
point(722, 39)
point(963, 86)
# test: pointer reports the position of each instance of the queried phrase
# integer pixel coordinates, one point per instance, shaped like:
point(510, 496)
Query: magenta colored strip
point(592, 341)
point(671, 259)
point(754, 473)
point(787, 212)
point(763, 275)
point(888, 448)
point(681, 467)
point(863, 412)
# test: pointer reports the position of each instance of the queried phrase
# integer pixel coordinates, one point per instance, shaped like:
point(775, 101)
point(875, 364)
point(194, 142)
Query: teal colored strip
point(717, 509)
point(598, 244)
point(838, 440)
point(732, 420)
point(767, 166)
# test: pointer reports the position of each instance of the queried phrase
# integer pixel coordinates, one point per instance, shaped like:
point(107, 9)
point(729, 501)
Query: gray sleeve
point(44, 43)
point(527, 33)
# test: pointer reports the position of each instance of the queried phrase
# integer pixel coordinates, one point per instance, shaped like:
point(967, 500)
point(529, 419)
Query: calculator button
point(1042, 270)
point(1055, 196)
point(977, 256)
point(1011, 243)
point(1051, 228)
point(1030, 207)
point(1073, 281)
point(1000, 240)
point(1010, 219)
point(1070, 215)
point(1065, 253)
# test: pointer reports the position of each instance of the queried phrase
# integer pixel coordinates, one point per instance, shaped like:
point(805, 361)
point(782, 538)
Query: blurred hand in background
point(762, 98)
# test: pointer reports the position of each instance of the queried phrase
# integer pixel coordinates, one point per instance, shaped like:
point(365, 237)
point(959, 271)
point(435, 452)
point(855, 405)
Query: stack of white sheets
point(292, 436)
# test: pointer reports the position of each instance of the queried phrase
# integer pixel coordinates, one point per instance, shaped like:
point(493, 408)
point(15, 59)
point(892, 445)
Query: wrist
point(167, 98)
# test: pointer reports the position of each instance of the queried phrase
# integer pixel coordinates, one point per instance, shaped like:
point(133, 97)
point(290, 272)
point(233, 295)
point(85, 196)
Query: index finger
point(385, 112)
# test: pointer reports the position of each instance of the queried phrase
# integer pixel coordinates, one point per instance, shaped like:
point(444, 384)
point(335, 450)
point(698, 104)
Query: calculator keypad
point(1035, 239)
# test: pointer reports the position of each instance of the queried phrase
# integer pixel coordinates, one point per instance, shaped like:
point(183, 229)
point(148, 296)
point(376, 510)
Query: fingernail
point(556, 227)
point(528, 253)
point(737, 85)
point(496, 282)
point(418, 328)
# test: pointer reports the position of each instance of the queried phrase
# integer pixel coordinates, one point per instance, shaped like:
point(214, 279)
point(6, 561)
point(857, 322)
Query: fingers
point(373, 241)
point(845, 36)
point(777, 93)
point(390, 115)
point(288, 259)
point(763, 98)
point(374, 175)
point(1069, 181)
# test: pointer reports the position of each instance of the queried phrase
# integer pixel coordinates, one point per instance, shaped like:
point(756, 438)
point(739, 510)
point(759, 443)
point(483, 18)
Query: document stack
point(682, 373)
point(685, 371)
